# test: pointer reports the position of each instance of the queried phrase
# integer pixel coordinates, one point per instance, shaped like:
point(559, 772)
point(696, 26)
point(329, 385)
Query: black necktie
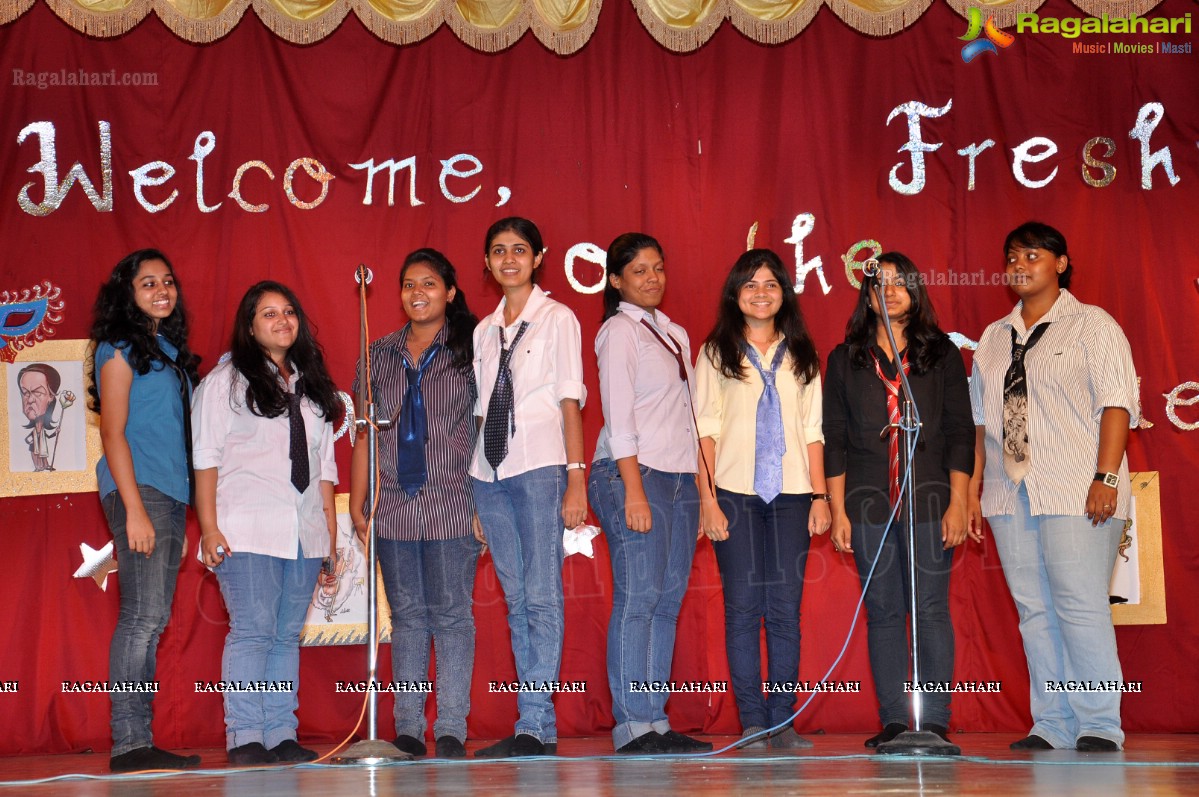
point(501, 421)
point(411, 466)
point(298, 449)
point(1016, 457)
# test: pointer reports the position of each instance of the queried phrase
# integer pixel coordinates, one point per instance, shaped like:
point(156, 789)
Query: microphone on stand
point(362, 270)
point(870, 268)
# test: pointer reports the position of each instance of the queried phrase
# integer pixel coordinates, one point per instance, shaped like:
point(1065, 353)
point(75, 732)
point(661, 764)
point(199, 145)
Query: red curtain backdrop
point(623, 135)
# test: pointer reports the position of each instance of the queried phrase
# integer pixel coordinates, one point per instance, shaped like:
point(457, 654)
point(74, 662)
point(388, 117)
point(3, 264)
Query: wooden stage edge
point(838, 764)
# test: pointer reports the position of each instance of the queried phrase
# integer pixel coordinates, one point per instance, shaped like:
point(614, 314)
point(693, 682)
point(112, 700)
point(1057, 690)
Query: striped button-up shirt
point(1081, 365)
point(443, 508)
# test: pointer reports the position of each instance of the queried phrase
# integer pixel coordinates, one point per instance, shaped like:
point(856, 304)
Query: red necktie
point(892, 386)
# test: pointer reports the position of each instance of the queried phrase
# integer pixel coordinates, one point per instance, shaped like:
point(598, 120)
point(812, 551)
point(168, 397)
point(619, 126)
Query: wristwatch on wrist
point(828, 499)
point(1110, 479)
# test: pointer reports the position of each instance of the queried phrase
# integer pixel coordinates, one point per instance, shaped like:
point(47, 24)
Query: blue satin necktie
point(411, 470)
point(770, 444)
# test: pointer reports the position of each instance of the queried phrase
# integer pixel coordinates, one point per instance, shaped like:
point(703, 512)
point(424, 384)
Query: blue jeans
point(887, 600)
point(1058, 568)
point(522, 518)
point(147, 586)
point(267, 598)
point(762, 570)
point(649, 579)
point(430, 585)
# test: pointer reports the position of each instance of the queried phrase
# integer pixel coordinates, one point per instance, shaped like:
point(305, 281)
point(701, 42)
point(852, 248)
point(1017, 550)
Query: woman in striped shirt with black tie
point(421, 377)
point(1054, 394)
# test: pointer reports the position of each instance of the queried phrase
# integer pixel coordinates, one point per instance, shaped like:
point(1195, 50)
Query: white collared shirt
point(547, 368)
point(257, 508)
point(647, 407)
point(1081, 365)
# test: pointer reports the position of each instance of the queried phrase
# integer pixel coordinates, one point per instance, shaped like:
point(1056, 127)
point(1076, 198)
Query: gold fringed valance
point(562, 26)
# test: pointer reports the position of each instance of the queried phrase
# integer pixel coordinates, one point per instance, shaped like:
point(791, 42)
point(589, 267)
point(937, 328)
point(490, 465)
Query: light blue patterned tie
point(770, 444)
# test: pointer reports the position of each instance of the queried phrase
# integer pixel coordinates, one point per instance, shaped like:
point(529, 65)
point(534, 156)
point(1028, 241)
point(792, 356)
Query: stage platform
point(1165, 764)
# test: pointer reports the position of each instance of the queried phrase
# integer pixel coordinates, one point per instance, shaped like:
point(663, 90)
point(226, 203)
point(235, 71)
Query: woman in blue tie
point(262, 438)
point(421, 377)
point(861, 400)
point(762, 490)
point(643, 489)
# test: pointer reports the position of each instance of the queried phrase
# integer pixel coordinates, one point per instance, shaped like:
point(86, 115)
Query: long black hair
point(925, 339)
point(459, 320)
point(1038, 235)
point(265, 394)
point(117, 319)
point(725, 344)
point(621, 252)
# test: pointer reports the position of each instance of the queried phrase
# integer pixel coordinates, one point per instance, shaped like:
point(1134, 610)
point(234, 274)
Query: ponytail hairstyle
point(621, 252)
point(459, 320)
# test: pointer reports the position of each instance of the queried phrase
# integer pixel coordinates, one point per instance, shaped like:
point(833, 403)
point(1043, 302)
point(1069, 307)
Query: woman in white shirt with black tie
point(262, 436)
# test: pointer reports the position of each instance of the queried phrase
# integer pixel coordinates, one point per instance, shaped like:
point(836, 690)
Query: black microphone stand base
point(371, 752)
point(922, 743)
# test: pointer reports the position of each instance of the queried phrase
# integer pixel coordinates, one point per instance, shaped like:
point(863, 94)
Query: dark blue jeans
point(762, 569)
point(887, 601)
point(147, 587)
point(430, 584)
point(649, 579)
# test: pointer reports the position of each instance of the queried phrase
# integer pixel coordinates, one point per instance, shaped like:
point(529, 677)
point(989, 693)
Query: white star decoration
point(96, 564)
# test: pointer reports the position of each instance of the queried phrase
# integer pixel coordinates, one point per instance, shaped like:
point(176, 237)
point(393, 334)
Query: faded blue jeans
point(147, 586)
point(430, 584)
point(649, 578)
point(1058, 568)
point(522, 518)
point(267, 598)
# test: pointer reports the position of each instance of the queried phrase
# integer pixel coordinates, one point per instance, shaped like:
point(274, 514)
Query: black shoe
point(1096, 744)
point(940, 730)
point(501, 749)
point(680, 743)
point(888, 733)
point(525, 745)
point(143, 758)
point(251, 754)
point(450, 747)
point(1030, 742)
point(410, 744)
point(289, 751)
point(651, 743)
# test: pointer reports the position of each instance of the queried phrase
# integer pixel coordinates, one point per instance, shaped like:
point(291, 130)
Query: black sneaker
point(252, 754)
point(888, 733)
point(526, 745)
point(289, 751)
point(450, 747)
point(1095, 744)
point(1031, 742)
point(410, 744)
point(680, 743)
point(144, 758)
point(652, 743)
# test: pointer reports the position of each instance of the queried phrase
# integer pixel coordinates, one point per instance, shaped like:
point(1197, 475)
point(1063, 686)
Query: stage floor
point(1166, 764)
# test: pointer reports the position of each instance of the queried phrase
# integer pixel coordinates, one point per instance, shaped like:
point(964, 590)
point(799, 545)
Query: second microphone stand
point(916, 741)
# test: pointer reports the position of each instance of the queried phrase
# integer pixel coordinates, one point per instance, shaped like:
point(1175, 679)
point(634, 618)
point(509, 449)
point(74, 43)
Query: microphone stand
point(916, 741)
point(372, 749)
